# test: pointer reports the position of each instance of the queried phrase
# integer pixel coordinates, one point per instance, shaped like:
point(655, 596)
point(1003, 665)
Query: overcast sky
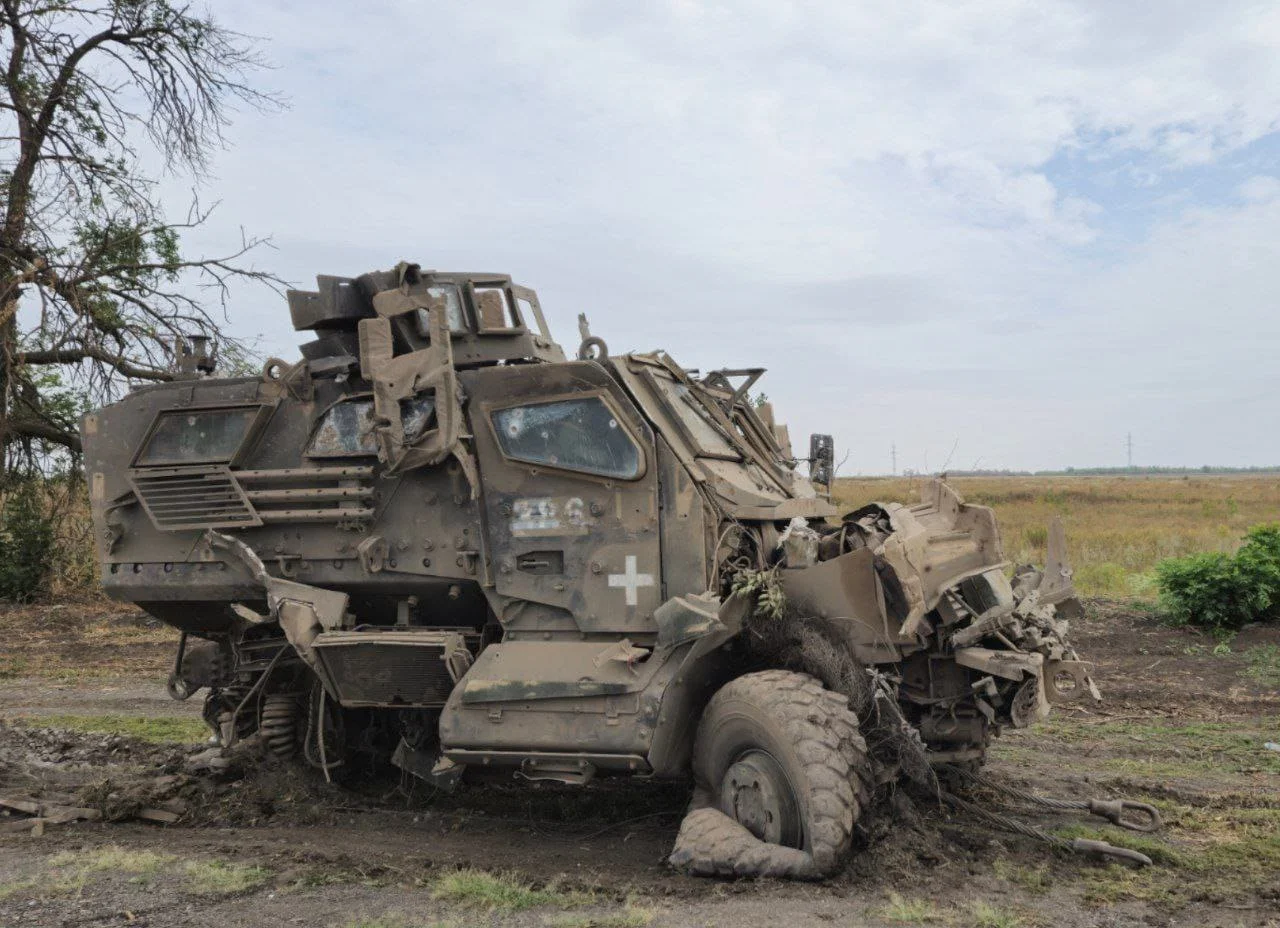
point(1019, 230)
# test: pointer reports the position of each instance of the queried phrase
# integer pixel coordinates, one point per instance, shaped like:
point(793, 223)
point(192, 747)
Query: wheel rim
point(756, 793)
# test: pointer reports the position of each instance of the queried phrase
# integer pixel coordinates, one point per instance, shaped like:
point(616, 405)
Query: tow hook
point(1113, 810)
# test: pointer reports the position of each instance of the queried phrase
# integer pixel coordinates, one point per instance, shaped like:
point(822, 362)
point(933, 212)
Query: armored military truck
point(436, 540)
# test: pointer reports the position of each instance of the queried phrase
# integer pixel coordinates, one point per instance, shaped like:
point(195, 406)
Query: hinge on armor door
point(373, 553)
point(495, 715)
point(467, 560)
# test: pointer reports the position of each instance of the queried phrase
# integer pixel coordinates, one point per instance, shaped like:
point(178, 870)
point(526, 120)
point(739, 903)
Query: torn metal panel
point(1011, 665)
point(935, 544)
point(304, 612)
point(845, 592)
point(683, 619)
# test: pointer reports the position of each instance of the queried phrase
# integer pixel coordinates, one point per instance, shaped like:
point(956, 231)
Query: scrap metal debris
point(35, 813)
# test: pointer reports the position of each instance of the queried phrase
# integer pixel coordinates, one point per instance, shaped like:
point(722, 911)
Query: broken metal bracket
point(429, 766)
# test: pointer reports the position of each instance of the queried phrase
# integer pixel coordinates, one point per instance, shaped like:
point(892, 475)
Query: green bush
point(27, 542)
point(1264, 540)
point(1223, 591)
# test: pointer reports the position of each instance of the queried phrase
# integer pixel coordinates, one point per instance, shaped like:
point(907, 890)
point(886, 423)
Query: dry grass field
point(1118, 528)
point(1184, 725)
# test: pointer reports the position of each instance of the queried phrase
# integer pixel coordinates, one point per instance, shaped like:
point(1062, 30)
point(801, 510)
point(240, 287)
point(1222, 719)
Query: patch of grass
point(1170, 751)
point(505, 892)
point(209, 877)
point(1032, 879)
point(1264, 664)
point(629, 917)
point(1105, 579)
point(1114, 882)
point(909, 911)
point(159, 730)
point(986, 915)
point(12, 667)
point(392, 920)
point(41, 888)
point(114, 858)
point(69, 871)
point(1223, 853)
point(16, 887)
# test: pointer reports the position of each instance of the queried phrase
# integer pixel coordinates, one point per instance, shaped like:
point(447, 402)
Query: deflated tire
point(781, 776)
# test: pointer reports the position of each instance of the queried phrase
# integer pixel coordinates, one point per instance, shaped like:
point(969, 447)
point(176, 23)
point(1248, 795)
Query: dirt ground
point(1183, 726)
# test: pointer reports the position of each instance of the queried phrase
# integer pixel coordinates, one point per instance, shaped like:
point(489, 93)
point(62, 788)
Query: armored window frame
point(309, 452)
point(257, 423)
point(529, 298)
point(422, 321)
point(677, 416)
point(473, 288)
point(491, 411)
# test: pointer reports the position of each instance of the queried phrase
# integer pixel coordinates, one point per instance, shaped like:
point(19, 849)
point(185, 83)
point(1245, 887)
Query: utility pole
point(1129, 448)
point(893, 457)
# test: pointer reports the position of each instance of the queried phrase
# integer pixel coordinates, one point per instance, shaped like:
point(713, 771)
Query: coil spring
point(279, 724)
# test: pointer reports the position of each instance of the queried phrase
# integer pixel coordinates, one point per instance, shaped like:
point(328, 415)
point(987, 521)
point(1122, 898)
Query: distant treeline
point(1107, 472)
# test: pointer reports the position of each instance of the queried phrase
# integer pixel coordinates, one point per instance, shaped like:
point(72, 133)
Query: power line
point(1129, 448)
point(893, 457)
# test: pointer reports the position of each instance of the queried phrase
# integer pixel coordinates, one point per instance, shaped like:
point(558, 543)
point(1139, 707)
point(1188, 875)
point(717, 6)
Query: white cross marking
point(631, 580)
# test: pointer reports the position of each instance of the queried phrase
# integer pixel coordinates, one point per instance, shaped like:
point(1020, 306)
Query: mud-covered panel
point(684, 519)
point(552, 696)
point(570, 492)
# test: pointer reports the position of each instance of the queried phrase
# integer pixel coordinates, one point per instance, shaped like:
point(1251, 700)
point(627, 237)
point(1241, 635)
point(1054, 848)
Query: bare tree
point(94, 285)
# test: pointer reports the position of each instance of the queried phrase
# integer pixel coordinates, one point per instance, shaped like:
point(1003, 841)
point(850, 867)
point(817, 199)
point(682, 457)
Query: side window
point(197, 436)
point(582, 435)
point(493, 306)
point(452, 308)
point(346, 428)
point(531, 317)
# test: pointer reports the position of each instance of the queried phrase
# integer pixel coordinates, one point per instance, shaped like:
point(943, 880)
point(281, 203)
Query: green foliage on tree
point(95, 286)
point(26, 541)
point(1224, 591)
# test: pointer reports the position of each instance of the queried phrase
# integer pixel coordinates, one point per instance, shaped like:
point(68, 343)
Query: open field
point(1118, 528)
point(1183, 726)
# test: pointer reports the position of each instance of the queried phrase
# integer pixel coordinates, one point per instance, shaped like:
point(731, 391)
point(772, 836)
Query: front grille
point(393, 668)
point(183, 498)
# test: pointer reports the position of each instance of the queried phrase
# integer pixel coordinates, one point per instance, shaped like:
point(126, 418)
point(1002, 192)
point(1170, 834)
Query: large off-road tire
point(781, 777)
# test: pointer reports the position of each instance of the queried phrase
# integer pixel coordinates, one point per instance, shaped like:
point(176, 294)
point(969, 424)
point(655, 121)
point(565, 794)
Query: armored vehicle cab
point(436, 539)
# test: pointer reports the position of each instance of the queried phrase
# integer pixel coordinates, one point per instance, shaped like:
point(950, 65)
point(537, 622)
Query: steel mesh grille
point(187, 500)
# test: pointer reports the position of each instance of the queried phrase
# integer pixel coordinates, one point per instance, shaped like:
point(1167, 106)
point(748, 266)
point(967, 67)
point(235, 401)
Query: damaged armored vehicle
point(436, 541)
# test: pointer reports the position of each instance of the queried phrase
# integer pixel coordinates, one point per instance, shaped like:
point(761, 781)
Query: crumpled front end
point(993, 651)
point(925, 588)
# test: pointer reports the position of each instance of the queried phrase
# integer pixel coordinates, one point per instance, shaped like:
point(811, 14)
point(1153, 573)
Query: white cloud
point(859, 195)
